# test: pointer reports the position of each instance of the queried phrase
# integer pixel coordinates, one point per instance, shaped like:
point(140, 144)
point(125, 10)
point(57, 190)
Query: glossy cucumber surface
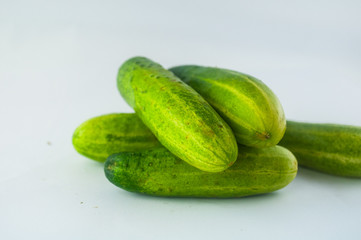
point(99, 137)
point(250, 108)
point(160, 173)
point(329, 148)
point(177, 115)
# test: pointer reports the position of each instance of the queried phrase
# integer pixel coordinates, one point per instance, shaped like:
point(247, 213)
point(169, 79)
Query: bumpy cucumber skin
point(99, 137)
point(160, 173)
point(177, 115)
point(250, 108)
point(329, 148)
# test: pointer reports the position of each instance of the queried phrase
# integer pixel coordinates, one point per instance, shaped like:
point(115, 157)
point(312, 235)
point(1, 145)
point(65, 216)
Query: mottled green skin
point(158, 172)
point(250, 108)
point(330, 148)
point(102, 136)
point(177, 115)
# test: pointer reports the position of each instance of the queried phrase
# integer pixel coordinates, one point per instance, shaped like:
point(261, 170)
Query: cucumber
point(250, 108)
point(102, 136)
point(177, 115)
point(160, 173)
point(329, 148)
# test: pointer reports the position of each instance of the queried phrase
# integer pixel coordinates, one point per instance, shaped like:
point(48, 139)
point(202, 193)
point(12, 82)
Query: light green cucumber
point(102, 136)
point(160, 173)
point(177, 115)
point(250, 108)
point(329, 148)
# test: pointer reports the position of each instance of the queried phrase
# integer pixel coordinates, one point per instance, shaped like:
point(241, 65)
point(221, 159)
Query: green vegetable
point(177, 115)
point(329, 148)
point(102, 136)
point(250, 108)
point(158, 172)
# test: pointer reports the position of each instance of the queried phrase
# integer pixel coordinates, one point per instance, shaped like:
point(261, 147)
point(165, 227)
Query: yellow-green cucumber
point(177, 115)
point(329, 148)
point(250, 108)
point(99, 137)
point(160, 173)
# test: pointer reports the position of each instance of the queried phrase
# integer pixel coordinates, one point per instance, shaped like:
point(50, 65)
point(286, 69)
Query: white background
point(58, 65)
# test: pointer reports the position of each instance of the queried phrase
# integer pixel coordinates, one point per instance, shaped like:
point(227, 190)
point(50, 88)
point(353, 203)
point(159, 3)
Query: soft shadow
point(202, 200)
point(314, 176)
point(97, 164)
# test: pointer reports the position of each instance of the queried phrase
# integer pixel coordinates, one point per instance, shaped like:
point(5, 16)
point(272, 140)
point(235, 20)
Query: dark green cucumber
point(158, 172)
point(250, 108)
point(177, 115)
point(329, 148)
point(102, 136)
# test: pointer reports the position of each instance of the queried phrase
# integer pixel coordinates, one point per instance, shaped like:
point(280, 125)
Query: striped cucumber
point(329, 148)
point(250, 108)
point(158, 172)
point(177, 115)
point(102, 136)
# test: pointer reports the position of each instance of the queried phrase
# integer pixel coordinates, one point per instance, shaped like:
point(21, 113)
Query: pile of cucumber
point(208, 132)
